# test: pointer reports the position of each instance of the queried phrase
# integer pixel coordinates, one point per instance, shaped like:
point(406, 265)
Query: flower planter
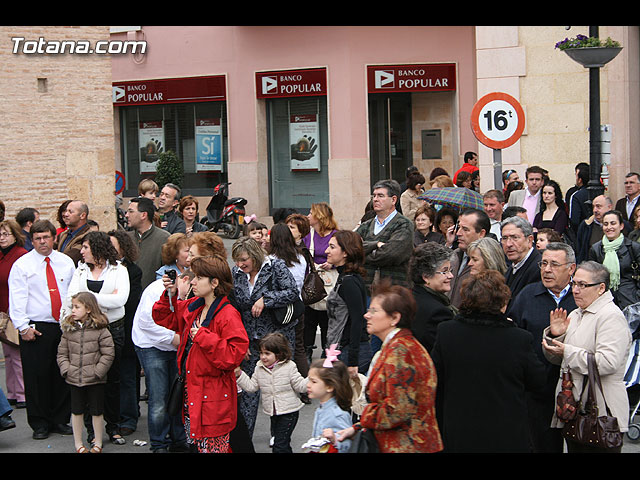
point(593, 57)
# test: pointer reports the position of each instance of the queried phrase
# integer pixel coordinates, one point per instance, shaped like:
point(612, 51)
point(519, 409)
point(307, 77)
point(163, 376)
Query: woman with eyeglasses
point(621, 256)
point(597, 326)
point(431, 275)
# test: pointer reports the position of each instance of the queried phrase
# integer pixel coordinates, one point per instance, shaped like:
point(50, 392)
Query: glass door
point(390, 136)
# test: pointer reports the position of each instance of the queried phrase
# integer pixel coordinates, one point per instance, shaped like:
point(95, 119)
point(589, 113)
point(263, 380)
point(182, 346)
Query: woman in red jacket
point(213, 342)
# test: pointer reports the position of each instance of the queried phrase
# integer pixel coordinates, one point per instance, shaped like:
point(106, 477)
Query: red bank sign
point(436, 77)
point(292, 83)
point(170, 90)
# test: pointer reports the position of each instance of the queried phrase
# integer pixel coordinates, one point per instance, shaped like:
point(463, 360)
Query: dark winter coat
point(485, 364)
point(432, 309)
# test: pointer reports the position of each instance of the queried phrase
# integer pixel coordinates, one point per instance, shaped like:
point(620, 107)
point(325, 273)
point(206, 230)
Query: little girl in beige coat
point(85, 354)
point(280, 383)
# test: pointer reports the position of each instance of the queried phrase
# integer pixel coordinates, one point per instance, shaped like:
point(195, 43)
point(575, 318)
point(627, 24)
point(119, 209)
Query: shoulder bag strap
point(594, 377)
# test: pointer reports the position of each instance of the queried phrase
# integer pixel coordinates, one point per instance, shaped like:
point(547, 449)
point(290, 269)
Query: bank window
point(196, 132)
point(298, 152)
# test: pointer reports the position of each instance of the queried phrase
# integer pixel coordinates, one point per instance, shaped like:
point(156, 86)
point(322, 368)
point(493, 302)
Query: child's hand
point(329, 434)
point(238, 371)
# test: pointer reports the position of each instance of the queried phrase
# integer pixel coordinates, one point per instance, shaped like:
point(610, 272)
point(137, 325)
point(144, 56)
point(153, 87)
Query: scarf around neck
point(611, 259)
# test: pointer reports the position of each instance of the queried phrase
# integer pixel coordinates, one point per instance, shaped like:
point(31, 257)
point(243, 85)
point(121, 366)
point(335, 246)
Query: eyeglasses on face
point(582, 285)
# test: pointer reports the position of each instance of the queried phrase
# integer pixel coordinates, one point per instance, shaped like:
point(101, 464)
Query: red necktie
point(52, 284)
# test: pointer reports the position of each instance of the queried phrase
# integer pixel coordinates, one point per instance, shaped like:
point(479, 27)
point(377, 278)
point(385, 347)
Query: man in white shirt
point(529, 198)
point(628, 204)
point(493, 207)
point(156, 347)
point(32, 307)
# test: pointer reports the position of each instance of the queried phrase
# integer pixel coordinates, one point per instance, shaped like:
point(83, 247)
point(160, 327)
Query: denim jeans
point(160, 368)
point(4, 404)
point(281, 428)
point(364, 356)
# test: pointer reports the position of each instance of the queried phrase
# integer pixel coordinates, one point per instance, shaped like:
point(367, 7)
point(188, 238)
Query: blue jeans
point(160, 368)
point(4, 404)
point(364, 356)
point(281, 428)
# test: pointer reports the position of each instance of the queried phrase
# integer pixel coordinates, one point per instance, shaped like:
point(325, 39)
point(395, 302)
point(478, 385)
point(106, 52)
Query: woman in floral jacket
point(260, 285)
point(401, 386)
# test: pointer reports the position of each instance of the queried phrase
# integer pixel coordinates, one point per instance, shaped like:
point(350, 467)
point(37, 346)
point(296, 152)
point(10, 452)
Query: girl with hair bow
point(329, 382)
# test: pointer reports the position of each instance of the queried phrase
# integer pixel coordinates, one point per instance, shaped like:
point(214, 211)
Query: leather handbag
point(566, 404)
point(313, 286)
point(588, 427)
point(175, 400)
point(283, 315)
point(364, 441)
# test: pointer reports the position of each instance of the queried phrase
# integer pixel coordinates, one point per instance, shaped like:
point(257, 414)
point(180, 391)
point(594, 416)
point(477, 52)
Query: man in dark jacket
point(167, 202)
point(388, 237)
point(530, 310)
point(518, 246)
point(70, 241)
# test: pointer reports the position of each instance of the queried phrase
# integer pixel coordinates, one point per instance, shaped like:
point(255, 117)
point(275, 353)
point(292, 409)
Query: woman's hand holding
point(558, 322)
point(257, 308)
point(556, 347)
point(195, 328)
point(169, 285)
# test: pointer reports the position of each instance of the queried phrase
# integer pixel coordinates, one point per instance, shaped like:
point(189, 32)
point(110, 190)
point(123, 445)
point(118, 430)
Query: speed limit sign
point(497, 120)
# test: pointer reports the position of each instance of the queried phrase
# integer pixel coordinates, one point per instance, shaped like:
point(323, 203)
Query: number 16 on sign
point(497, 121)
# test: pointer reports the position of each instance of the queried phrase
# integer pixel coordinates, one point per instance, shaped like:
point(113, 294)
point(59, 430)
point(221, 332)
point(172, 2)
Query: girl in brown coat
point(85, 353)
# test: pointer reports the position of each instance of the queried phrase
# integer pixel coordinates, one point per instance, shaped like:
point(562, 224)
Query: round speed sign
point(497, 120)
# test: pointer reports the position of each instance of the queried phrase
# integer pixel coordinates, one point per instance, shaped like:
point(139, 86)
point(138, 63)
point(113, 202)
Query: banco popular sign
point(435, 77)
point(292, 83)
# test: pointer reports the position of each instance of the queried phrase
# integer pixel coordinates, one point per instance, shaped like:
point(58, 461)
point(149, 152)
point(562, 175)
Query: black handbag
point(588, 427)
point(283, 315)
point(364, 441)
point(313, 287)
point(175, 401)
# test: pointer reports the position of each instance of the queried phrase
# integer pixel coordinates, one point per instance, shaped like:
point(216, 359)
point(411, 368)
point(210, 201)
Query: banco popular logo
point(385, 79)
point(269, 84)
point(118, 94)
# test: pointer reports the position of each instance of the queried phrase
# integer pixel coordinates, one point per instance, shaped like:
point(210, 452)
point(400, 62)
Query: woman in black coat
point(485, 364)
point(430, 273)
point(623, 263)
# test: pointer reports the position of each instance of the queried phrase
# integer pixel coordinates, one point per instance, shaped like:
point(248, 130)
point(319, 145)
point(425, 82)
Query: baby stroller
point(632, 375)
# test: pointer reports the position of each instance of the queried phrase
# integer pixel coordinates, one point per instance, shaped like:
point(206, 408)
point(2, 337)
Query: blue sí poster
point(208, 145)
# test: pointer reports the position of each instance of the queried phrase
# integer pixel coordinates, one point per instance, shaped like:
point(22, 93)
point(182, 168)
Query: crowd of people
point(442, 328)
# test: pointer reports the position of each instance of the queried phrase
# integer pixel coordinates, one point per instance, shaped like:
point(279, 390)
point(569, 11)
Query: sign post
point(497, 121)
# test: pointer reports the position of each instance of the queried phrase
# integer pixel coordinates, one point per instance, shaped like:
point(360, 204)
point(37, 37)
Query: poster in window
point(208, 145)
point(151, 143)
point(303, 137)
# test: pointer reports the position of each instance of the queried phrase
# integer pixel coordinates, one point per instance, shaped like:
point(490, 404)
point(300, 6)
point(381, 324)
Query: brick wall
point(56, 123)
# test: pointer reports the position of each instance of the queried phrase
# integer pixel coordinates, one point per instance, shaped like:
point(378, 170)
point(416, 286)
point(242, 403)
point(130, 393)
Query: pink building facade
point(293, 116)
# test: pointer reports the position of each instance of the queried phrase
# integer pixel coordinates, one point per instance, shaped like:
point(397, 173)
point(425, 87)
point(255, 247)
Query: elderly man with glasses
point(530, 310)
point(521, 253)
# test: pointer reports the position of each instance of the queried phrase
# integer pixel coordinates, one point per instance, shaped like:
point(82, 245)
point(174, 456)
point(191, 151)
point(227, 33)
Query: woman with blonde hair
point(486, 254)
point(175, 254)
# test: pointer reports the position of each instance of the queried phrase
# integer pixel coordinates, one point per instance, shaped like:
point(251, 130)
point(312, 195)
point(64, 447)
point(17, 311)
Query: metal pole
point(497, 169)
point(595, 186)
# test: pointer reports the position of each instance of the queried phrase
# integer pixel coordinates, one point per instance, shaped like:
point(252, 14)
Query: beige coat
point(410, 203)
point(85, 354)
point(279, 387)
point(600, 328)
